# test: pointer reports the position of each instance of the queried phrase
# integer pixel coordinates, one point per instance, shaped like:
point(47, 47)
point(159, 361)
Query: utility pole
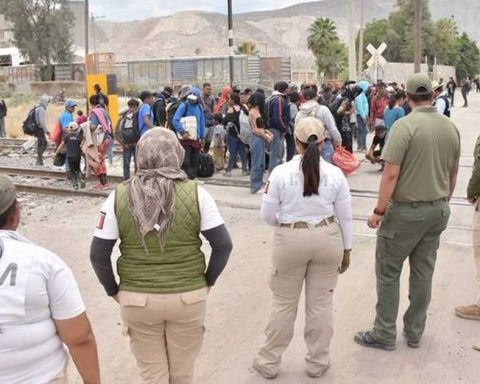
point(418, 35)
point(87, 13)
point(360, 42)
point(230, 42)
point(352, 55)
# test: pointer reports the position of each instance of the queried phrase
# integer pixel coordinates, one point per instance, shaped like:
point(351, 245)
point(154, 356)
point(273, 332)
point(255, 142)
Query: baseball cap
point(192, 97)
point(70, 103)
point(7, 194)
point(419, 85)
point(309, 127)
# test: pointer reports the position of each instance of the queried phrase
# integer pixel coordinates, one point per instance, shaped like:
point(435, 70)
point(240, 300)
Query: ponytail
point(311, 167)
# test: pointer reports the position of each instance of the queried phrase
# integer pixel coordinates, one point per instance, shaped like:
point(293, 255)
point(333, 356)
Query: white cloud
point(141, 9)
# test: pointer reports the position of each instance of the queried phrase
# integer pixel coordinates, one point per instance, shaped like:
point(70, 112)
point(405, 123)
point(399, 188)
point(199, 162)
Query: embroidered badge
point(101, 220)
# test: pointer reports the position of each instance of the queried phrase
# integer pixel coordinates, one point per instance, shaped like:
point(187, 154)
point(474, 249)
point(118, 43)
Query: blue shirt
point(390, 116)
point(65, 119)
point(145, 110)
point(189, 109)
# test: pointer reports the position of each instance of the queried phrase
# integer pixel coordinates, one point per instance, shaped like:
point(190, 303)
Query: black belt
point(416, 204)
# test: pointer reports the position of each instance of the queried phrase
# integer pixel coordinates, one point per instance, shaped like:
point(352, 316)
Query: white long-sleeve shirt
point(284, 203)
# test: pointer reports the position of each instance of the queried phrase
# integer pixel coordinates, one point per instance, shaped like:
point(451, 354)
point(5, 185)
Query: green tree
point(41, 31)
point(330, 53)
point(247, 48)
point(446, 38)
point(468, 57)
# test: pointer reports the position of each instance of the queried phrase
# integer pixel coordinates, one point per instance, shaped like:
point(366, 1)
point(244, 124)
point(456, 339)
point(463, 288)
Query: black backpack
point(130, 129)
point(447, 111)
point(206, 167)
point(172, 110)
point(159, 111)
point(30, 126)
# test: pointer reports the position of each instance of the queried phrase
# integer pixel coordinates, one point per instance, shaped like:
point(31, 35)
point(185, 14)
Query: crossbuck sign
point(377, 61)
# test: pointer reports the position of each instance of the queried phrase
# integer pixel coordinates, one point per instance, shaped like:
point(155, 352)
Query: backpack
point(447, 112)
point(245, 128)
point(171, 110)
point(30, 126)
point(129, 128)
point(159, 111)
point(206, 166)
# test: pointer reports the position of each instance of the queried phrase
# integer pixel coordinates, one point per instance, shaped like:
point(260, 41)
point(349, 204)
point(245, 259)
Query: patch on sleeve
point(265, 190)
point(101, 220)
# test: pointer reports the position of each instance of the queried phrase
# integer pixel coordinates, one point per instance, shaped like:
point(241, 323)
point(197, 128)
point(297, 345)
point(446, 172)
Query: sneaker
point(99, 187)
point(319, 372)
point(265, 372)
point(471, 312)
point(412, 344)
point(228, 174)
point(366, 339)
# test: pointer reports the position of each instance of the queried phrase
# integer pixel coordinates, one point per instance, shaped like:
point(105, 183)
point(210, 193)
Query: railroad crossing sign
point(377, 61)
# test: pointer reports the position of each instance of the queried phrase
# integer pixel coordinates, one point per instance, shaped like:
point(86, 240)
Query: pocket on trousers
point(446, 211)
point(412, 217)
point(131, 299)
point(193, 297)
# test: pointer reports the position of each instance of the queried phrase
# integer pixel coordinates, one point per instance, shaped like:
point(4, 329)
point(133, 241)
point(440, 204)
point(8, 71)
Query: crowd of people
point(157, 217)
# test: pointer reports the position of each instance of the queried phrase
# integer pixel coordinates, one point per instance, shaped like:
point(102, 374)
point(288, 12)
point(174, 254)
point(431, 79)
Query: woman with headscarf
point(158, 216)
point(222, 104)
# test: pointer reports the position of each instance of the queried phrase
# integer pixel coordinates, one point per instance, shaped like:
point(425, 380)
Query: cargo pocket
point(132, 299)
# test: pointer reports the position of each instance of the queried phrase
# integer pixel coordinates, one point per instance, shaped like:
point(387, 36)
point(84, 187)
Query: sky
point(141, 9)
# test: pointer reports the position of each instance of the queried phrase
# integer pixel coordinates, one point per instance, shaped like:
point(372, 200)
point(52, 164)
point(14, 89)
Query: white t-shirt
point(107, 226)
point(42, 288)
point(284, 194)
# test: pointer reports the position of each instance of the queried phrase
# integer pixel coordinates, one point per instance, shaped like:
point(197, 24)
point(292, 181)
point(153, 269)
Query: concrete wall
point(51, 88)
point(399, 72)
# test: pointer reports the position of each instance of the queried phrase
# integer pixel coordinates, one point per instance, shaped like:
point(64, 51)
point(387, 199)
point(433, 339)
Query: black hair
point(401, 94)
point(235, 97)
point(248, 91)
point(421, 98)
point(133, 103)
point(260, 90)
point(206, 85)
point(80, 112)
point(93, 100)
point(218, 118)
point(380, 128)
point(257, 100)
point(309, 93)
point(294, 97)
point(145, 95)
point(5, 216)
point(281, 86)
point(311, 167)
point(392, 101)
point(168, 90)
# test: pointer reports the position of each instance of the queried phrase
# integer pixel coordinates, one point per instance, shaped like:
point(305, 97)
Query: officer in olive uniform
point(472, 312)
point(421, 165)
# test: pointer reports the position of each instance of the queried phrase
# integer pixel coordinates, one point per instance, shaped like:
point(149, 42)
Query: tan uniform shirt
point(426, 145)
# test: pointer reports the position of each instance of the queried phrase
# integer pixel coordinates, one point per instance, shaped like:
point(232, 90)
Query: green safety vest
point(180, 266)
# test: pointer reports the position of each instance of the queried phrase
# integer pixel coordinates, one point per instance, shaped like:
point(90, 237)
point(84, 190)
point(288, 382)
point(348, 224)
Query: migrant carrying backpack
point(447, 112)
point(171, 111)
point(206, 167)
point(129, 128)
point(30, 126)
point(159, 111)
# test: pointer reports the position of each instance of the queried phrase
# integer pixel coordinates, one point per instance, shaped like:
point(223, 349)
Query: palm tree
point(247, 48)
point(322, 31)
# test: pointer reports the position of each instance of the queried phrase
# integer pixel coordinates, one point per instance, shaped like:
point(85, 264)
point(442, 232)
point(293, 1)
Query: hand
point(345, 261)
point(185, 136)
point(374, 221)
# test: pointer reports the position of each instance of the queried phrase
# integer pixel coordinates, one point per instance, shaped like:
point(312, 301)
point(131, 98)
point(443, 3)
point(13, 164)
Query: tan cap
point(309, 127)
point(419, 85)
point(436, 85)
point(7, 194)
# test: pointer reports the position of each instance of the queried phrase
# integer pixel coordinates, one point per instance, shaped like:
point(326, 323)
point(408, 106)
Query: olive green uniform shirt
point(426, 145)
point(474, 184)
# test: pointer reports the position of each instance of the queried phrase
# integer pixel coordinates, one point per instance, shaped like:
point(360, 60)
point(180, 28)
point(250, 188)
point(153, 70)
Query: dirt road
point(239, 304)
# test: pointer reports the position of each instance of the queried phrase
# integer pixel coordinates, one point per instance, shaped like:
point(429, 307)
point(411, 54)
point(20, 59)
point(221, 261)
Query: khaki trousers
point(166, 333)
point(476, 245)
point(219, 158)
point(312, 255)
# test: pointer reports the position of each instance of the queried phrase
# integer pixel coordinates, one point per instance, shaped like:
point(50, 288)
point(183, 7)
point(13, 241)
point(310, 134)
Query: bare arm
point(387, 187)
point(77, 334)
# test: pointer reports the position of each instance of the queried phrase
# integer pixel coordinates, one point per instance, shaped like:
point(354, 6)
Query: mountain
point(278, 32)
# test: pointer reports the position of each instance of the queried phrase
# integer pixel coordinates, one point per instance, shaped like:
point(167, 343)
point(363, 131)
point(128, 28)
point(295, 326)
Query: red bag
point(56, 135)
point(346, 161)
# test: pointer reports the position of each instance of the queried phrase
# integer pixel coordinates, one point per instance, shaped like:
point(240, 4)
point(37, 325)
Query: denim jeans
point(257, 151)
point(277, 150)
point(328, 151)
point(291, 150)
point(235, 148)
point(128, 154)
point(362, 133)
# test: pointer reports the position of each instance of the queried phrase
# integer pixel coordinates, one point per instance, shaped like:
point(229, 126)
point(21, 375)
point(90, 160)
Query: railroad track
point(216, 181)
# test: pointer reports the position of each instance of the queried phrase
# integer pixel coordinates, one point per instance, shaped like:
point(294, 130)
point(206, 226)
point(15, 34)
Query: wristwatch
point(378, 212)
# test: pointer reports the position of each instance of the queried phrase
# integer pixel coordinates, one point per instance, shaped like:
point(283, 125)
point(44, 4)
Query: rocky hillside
point(278, 32)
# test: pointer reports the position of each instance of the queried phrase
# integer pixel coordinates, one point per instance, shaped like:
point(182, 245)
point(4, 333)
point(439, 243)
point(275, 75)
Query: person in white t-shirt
point(158, 216)
point(42, 315)
point(304, 199)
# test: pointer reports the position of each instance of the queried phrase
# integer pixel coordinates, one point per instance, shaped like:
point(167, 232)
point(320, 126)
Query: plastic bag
point(346, 161)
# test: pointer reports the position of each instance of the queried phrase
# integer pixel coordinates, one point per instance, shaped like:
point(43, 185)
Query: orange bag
point(346, 161)
point(56, 135)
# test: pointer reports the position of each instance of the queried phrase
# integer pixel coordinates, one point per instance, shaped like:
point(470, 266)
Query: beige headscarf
point(151, 193)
